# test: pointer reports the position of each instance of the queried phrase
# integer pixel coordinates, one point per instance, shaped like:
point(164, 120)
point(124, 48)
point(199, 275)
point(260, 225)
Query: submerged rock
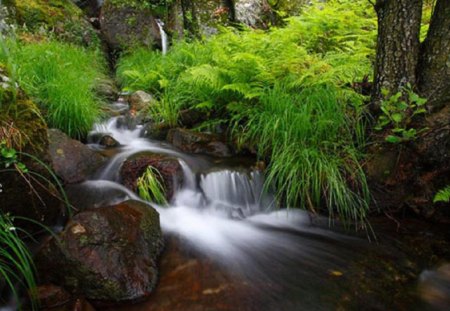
point(169, 168)
point(106, 254)
point(71, 160)
point(194, 142)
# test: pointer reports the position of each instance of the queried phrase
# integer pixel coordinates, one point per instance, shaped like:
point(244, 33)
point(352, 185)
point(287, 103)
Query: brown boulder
point(71, 160)
point(169, 168)
point(106, 254)
point(194, 142)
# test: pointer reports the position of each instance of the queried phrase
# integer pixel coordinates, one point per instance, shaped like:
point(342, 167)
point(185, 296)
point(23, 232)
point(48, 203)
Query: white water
point(163, 34)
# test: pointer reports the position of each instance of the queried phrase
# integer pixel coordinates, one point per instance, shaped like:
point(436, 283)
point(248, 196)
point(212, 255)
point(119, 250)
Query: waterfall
point(164, 41)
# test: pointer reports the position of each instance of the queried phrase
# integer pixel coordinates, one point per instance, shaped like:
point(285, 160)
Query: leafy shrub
point(398, 111)
point(62, 79)
point(288, 92)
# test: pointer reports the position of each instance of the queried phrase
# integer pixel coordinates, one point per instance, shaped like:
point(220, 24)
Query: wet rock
point(434, 287)
point(140, 100)
point(122, 23)
point(191, 117)
point(168, 167)
point(71, 160)
point(107, 89)
point(194, 142)
point(51, 296)
point(106, 254)
point(190, 281)
point(109, 142)
point(156, 131)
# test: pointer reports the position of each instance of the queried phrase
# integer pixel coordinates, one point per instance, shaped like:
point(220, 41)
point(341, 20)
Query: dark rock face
point(71, 160)
point(191, 117)
point(194, 142)
point(123, 25)
point(108, 141)
point(24, 129)
point(169, 168)
point(106, 254)
point(156, 131)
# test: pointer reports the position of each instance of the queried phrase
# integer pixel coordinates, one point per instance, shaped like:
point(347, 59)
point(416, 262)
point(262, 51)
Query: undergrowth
point(61, 78)
point(287, 92)
point(16, 262)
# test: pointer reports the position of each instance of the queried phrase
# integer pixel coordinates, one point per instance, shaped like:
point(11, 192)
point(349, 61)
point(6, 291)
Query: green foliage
point(16, 262)
point(62, 79)
point(398, 111)
point(443, 195)
point(9, 157)
point(287, 92)
point(150, 187)
point(157, 6)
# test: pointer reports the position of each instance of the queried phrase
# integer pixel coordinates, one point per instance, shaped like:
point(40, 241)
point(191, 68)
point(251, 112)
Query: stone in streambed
point(106, 254)
point(169, 168)
point(195, 142)
point(156, 131)
point(108, 141)
point(71, 160)
point(140, 100)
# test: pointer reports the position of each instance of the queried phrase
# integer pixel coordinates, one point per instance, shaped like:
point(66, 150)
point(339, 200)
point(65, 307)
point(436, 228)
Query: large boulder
point(195, 142)
point(71, 160)
point(108, 254)
point(125, 23)
point(168, 167)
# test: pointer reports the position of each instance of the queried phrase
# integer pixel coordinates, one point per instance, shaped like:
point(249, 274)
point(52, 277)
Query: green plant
point(443, 195)
point(62, 78)
point(285, 92)
point(398, 111)
point(150, 187)
point(16, 262)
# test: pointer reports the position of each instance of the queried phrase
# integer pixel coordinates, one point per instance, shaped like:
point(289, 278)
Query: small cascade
point(164, 40)
point(235, 193)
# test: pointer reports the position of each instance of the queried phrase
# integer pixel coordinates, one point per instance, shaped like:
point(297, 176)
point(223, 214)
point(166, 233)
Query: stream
point(229, 248)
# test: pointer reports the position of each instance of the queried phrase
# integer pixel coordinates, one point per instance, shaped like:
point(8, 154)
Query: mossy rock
point(62, 17)
point(32, 195)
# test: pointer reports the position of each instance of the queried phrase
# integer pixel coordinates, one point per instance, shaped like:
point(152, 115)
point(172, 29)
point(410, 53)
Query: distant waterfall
point(163, 34)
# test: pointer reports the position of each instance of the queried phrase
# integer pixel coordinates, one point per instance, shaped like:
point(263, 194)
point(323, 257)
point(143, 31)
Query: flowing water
point(163, 34)
point(258, 257)
point(229, 248)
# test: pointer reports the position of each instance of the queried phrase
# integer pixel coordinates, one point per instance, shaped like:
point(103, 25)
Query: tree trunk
point(434, 63)
point(397, 46)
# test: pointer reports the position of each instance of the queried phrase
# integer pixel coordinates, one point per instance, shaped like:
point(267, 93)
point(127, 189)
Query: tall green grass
point(61, 78)
point(287, 92)
point(16, 262)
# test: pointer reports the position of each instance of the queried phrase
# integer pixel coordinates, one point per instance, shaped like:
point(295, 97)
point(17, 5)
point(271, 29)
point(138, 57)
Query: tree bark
point(434, 63)
point(397, 46)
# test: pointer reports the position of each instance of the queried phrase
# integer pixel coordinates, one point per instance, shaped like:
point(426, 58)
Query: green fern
point(443, 195)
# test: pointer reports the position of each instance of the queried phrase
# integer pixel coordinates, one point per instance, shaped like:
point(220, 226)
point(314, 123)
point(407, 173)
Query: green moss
point(61, 17)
